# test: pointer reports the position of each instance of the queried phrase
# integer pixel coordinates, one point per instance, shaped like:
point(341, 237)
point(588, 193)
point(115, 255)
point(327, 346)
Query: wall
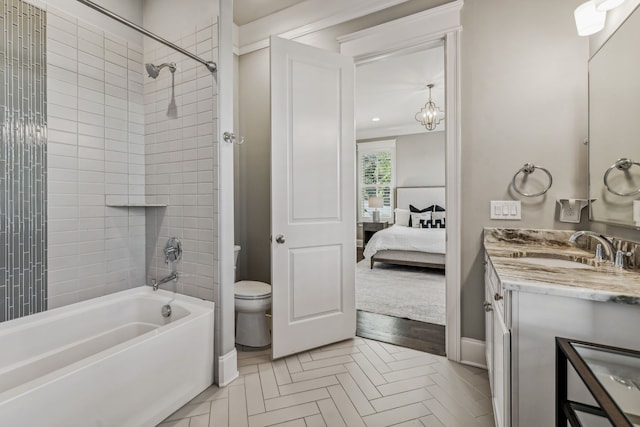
point(420, 160)
point(615, 17)
point(252, 186)
point(524, 99)
point(94, 133)
point(181, 160)
point(111, 142)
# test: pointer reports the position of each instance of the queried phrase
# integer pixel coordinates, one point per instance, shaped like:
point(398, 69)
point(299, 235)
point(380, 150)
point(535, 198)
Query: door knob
point(280, 239)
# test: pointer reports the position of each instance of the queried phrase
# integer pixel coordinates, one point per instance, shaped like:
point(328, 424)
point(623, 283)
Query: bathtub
point(110, 361)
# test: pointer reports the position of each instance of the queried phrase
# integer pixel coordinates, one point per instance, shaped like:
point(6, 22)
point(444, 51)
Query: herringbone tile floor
point(355, 383)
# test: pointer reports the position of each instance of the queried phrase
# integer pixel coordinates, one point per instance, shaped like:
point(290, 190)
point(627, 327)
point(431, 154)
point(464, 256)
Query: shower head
point(154, 70)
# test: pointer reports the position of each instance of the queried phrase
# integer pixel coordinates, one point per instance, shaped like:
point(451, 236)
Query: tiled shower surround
point(23, 160)
point(96, 149)
point(113, 148)
point(181, 161)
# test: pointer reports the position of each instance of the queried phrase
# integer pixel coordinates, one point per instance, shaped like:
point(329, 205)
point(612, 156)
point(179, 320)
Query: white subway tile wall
point(180, 122)
point(96, 156)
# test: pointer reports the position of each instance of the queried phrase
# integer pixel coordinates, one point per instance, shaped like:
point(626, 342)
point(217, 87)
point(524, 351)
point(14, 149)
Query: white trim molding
point(424, 30)
point(228, 368)
point(225, 302)
point(473, 352)
point(305, 18)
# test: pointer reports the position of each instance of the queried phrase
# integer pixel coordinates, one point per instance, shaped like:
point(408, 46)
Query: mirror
point(614, 126)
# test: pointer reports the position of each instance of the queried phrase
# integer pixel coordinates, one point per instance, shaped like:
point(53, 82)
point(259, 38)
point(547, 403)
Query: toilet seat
point(252, 290)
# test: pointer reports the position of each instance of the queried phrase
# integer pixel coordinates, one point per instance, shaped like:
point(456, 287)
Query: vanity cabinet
point(498, 348)
point(521, 325)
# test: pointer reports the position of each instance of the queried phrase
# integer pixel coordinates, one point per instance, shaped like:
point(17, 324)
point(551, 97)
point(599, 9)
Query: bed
point(407, 245)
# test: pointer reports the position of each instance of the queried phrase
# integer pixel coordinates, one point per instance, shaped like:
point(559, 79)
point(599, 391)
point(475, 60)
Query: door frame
point(424, 30)
point(226, 362)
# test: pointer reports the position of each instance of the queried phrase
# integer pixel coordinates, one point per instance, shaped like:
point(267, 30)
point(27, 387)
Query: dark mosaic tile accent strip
point(23, 160)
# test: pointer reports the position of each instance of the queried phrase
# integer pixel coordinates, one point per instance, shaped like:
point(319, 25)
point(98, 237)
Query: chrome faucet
point(172, 253)
point(611, 250)
point(172, 276)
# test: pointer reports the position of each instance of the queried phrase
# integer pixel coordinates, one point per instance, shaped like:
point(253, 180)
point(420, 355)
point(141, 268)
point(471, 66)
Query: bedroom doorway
point(401, 295)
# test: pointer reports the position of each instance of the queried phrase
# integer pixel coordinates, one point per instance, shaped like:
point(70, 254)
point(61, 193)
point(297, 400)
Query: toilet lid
point(250, 289)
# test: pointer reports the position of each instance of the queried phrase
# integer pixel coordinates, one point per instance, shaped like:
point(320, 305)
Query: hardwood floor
point(408, 333)
point(404, 332)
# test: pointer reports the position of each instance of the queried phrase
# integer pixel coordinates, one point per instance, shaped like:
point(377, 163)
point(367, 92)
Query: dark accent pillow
point(436, 221)
point(435, 208)
point(416, 210)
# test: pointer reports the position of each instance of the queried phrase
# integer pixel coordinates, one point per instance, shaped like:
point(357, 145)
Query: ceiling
point(245, 11)
point(392, 89)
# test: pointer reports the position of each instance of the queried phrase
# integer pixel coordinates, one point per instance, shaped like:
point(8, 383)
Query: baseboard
point(472, 352)
point(227, 368)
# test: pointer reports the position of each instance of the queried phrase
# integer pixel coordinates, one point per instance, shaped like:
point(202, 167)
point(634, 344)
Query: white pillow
point(417, 219)
point(402, 217)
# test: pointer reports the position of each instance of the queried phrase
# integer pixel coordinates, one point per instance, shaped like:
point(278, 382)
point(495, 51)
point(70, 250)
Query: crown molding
point(305, 18)
point(393, 131)
point(403, 33)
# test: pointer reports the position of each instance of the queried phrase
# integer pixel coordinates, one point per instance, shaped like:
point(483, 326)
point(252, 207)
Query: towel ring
point(527, 169)
point(622, 164)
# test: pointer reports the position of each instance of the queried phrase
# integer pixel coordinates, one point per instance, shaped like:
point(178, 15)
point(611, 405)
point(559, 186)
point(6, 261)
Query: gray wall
point(524, 99)
point(420, 160)
point(253, 161)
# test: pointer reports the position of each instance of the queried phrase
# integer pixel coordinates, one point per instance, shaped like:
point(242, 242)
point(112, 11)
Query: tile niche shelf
point(125, 202)
point(137, 205)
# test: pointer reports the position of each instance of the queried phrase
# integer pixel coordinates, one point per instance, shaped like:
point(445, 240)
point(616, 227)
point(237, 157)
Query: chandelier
point(429, 116)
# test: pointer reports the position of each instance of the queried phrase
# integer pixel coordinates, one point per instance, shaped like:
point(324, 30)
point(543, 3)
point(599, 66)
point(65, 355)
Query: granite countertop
point(601, 282)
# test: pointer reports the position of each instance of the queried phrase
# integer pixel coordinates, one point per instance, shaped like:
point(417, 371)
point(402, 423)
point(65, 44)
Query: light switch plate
point(506, 209)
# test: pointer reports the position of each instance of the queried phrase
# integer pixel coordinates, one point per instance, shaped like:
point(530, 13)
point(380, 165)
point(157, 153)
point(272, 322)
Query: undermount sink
point(546, 259)
point(554, 262)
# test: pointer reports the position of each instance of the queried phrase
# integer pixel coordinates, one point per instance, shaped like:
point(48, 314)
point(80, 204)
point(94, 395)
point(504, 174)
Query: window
point(376, 177)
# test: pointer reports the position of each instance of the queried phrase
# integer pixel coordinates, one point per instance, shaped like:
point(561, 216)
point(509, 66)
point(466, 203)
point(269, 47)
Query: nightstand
point(370, 228)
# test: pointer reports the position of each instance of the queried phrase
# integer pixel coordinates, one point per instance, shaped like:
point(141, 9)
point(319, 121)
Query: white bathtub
point(110, 361)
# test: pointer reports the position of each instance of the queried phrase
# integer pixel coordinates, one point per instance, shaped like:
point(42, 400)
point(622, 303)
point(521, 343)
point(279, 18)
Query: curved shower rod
point(211, 66)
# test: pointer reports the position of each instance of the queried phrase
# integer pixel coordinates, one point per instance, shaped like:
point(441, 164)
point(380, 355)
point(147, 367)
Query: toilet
point(252, 300)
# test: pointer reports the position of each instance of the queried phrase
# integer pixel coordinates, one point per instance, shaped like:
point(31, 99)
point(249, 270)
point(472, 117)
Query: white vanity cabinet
point(520, 337)
point(498, 347)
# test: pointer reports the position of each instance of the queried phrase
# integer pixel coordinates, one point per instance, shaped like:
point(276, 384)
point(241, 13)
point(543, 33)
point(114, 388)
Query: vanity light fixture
point(589, 20)
point(375, 119)
point(429, 116)
point(604, 5)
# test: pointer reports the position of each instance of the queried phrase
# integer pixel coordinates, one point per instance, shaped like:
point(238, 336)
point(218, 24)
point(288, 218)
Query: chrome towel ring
point(622, 164)
point(527, 169)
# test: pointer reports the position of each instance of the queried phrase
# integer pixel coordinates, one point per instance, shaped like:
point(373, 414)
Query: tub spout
point(155, 284)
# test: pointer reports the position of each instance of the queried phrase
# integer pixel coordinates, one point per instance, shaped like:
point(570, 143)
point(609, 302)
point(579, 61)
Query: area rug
point(401, 291)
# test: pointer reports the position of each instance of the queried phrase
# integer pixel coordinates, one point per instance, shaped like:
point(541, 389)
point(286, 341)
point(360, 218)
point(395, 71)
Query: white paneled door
point(313, 198)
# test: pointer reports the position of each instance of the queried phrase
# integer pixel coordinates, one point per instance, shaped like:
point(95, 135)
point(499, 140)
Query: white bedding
point(396, 237)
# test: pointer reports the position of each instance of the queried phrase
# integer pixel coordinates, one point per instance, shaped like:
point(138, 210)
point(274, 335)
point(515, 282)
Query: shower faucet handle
point(172, 250)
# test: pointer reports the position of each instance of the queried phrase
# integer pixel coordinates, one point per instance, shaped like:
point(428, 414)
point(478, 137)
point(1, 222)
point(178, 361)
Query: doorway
point(400, 273)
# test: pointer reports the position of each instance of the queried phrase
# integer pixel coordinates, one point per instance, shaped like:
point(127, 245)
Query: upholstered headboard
point(420, 197)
